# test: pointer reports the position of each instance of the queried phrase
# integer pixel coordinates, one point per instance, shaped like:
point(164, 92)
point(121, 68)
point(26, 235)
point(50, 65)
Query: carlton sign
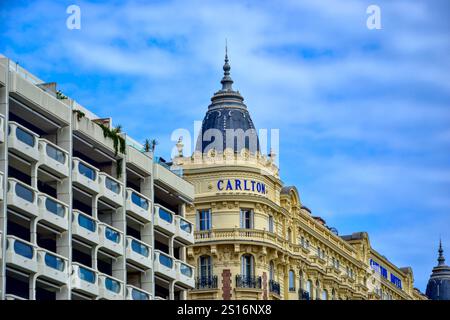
point(241, 185)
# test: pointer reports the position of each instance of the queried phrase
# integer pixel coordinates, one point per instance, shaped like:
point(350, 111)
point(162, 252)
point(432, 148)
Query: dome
point(227, 123)
point(438, 287)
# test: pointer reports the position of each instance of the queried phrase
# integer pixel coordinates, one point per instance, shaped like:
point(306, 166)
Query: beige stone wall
point(226, 242)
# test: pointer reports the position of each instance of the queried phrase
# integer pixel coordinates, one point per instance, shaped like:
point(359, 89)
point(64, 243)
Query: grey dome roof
point(438, 287)
point(227, 123)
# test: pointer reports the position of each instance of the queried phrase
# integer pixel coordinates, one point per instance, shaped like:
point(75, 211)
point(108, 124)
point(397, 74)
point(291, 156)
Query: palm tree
point(147, 145)
point(154, 143)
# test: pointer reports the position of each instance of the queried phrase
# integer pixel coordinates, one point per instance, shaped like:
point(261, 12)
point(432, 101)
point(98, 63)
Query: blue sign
point(384, 273)
point(241, 185)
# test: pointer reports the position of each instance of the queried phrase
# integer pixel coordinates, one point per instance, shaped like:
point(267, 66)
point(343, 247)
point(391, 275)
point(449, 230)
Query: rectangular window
point(204, 219)
point(246, 218)
point(270, 224)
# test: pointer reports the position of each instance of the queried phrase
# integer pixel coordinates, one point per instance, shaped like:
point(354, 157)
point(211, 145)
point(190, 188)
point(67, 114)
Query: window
point(205, 267)
point(302, 241)
point(333, 294)
point(291, 280)
point(247, 265)
point(289, 235)
point(324, 295)
point(204, 220)
point(307, 244)
point(271, 271)
point(309, 289)
point(317, 290)
point(270, 224)
point(246, 218)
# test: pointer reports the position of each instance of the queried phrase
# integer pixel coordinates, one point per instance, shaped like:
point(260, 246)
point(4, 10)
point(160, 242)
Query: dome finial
point(441, 259)
point(226, 80)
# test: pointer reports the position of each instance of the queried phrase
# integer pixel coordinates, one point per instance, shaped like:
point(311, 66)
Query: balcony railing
point(274, 287)
point(185, 225)
point(55, 153)
point(165, 215)
point(86, 171)
point(139, 247)
point(23, 249)
point(250, 282)
point(54, 207)
point(87, 222)
point(87, 275)
point(303, 295)
point(139, 201)
point(206, 282)
point(54, 262)
point(112, 285)
point(112, 185)
point(165, 260)
point(185, 269)
point(24, 136)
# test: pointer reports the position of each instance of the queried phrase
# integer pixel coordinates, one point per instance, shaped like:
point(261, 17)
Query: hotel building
point(85, 211)
point(255, 239)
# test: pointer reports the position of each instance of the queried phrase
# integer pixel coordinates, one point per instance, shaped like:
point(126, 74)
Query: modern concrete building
point(254, 237)
point(85, 211)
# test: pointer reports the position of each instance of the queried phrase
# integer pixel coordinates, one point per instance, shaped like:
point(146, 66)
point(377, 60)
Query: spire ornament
point(226, 82)
point(441, 258)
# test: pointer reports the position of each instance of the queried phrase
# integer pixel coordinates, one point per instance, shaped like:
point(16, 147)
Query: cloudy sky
point(364, 115)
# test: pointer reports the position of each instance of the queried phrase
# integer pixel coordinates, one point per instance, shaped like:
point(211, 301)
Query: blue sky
point(364, 115)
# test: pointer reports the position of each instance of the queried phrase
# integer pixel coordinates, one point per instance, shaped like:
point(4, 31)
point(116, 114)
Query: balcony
point(303, 295)
point(138, 206)
point(23, 86)
point(84, 279)
point(85, 176)
point(21, 254)
point(185, 274)
point(172, 182)
point(138, 253)
point(164, 219)
point(274, 287)
point(52, 266)
point(184, 230)
point(23, 142)
point(111, 189)
point(53, 158)
point(165, 265)
point(134, 293)
point(206, 283)
point(22, 197)
point(53, 212)
point(110, 288)
point(248, 282)
point(111, 239)
point(85, 227)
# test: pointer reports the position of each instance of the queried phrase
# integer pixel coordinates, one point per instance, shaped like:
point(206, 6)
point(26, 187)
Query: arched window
point(247, 265)
point(271, 271)
point(300, 281)
point(205, 267)
point(289, 235)
point(309, 289)
point(317, 294)
point(324, 295)
point(291, 280)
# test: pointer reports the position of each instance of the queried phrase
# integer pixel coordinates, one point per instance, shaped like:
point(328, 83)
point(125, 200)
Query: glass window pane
point(25, 137)
point(55, 154)
point(24, 192)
